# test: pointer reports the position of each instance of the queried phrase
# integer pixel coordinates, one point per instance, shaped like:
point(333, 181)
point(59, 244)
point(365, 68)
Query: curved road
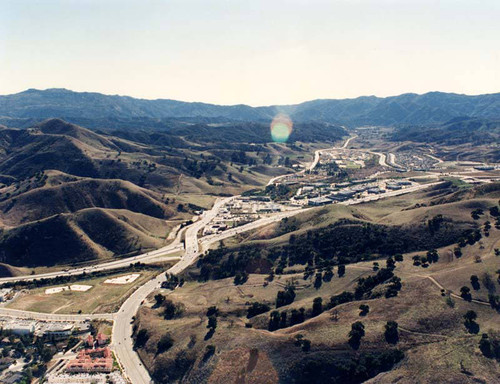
point(315, 161)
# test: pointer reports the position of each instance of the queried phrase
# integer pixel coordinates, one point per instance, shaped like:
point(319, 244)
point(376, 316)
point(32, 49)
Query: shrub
point(141, 338)
point(165, 343)
point(474, 280)
point(172, 310)
point(256, 309)
point(364, 309)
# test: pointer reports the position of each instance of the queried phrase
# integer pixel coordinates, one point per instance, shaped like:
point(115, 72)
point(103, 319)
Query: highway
point(208, 240)
point(381, 158)
point(314, 163)
point(191, 236)
point(149, 257)
point(19, 314)
point(122, 327)
point(390, 194)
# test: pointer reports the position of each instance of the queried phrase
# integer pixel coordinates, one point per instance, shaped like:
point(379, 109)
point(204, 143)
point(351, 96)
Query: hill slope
point(87, 235)
point(74, 196)
point(454, 132)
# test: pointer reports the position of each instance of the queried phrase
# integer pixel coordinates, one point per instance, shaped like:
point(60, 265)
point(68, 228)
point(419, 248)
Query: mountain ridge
point(407, 108)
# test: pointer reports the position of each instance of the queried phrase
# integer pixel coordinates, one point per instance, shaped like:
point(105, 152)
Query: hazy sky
point(251, 51)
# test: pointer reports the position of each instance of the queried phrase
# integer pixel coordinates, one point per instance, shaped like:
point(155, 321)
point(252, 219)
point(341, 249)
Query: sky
point(257, 52)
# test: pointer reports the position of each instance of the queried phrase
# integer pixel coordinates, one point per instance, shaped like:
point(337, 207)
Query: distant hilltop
point(409, 108)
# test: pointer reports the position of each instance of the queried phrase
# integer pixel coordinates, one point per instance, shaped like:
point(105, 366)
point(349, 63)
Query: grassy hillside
point(73, 196)
point(310, 343)
point(63, 181)
point(86, 235)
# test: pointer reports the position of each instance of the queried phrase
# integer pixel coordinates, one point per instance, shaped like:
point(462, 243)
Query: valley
point(256, 254)
point(252, 192)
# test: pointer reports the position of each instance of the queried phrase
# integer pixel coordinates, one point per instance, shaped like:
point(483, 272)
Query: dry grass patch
point(101, 298)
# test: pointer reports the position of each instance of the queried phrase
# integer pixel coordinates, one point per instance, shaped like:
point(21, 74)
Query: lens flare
point(281, 128)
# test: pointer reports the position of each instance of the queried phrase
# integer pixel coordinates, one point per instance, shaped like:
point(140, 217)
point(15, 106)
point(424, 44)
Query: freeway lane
point(208, 240)
point(122, 326)
point(153, 256)
point(19, 314)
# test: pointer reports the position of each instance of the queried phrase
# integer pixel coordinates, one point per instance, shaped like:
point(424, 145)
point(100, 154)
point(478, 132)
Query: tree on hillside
point(317, 307)
point(477, 213)
point(494, 211)
point(283, 320)
point(256, 309)
point(274, 321)
point(485, 345)
point(164, 344)
point(285, 297)
point(364, 309)
point(172, 310)
point(159, 299)
point(432, 256)
point(465, 293)
point(390, 263)
point(470, 321)
point(318, 280)
point(141, 338)
point(328, 275)
point(474, 280)
point(356, 333)
point(240, 278)
point(212, 322)
point(391, 333)
point(341, 270)
point(212, 311)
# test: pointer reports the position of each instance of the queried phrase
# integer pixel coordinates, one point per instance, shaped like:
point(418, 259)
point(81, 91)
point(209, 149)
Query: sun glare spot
point(281, 128)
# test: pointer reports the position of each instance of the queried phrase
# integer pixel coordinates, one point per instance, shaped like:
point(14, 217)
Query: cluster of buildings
point(96, 360)
point(98, 341)
point(48, 330)
point(344, 158)
point(316, 195)
point(241, 211)
point(413, 160)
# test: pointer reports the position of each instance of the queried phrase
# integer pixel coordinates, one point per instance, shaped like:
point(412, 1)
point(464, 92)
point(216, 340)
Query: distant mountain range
point(429, 108)
point(456, 131)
